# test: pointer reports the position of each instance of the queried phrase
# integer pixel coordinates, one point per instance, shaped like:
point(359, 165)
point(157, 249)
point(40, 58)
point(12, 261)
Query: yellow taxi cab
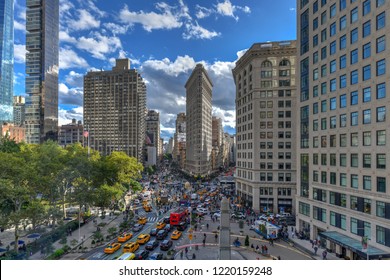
point(143, 238)
point(176, 235)
point(125, 236)
point(142, 220)
point(126, 256)
point(130, 247)
point(112, 248)
point(160, 225)
point(147, 208)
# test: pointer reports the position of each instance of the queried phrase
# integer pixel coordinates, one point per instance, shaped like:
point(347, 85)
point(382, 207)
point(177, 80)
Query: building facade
point(115, 110)
point(19, 110)
point(343, 196)
point(265, 111)
point(6, 60)
point(153, 132)
point(198, 122)
point(42, 43)
point(71, 133)
point(16, 133)
point(217, 143)
point(179, 147)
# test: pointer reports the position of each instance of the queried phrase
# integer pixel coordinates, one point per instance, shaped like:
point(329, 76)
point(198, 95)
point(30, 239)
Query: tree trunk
point(16, 245)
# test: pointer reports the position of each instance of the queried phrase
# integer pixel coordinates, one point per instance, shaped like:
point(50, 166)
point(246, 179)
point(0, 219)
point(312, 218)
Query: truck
point(266, 229)
point(178, 215)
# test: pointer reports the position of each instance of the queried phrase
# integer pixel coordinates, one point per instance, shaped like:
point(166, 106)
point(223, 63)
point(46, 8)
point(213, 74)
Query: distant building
point(153, 131)
point(217, 143)
point(6, 60)
point(42, 44)
point(19, 110)
point(16, 133)
point(198, 122)
point(115, 110)
point(179, 150)
point(71, 133)
point(170, 146)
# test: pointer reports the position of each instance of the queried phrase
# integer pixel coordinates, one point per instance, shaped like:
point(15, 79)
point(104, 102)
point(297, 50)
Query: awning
point(355, 245)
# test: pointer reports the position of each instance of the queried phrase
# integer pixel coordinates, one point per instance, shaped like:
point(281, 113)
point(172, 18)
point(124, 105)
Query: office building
point(42, 43)
point(71, 133)
point(179, 148)
point(115, 110)
point(217, 143)
point(265, 110)
point(153, 132)
point(343, 198)
point(198, 122)
point(6, 60)
point(16, 133)
point(19, 110)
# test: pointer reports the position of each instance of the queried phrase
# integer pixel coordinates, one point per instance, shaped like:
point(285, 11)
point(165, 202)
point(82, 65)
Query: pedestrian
point(292, 234)
point(204, 242)
point(265, 249)
point(216, 237)
point(193, 256)
point(186, 250)
point(207, 226)
point(252, 247)
point(181, 254)
point(315, 249)
point(324, 253)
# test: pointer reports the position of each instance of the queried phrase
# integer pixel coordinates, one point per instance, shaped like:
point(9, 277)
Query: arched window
point(266, 63)
point(250, 68)
point(284, 62)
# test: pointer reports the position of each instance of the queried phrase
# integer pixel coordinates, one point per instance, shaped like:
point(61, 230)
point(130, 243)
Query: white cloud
point(228, 116)
point(75, 79)
point(20, 26)
point(66, 116)
point(181, 65)
point(241, 53)
point(65, 37)
point(19, 53)
point(99, 45)
point(70, 59)
point(167, 19)
point(70, 96)
point(116, 28)
point(195, 31)
point(85, 21)
point(203, 12)
point(225, 8)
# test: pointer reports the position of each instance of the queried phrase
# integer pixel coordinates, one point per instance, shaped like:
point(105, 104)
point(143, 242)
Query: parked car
point(238, 216)
point(142, 255)
point(156, 256)
point(152, 244)
point(165, 245)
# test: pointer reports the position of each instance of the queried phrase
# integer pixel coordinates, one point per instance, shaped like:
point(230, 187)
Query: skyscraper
point(343, 192)
point(42, 38)
point(6, 60)
point(198, 122)
point(265, 108)
point(115, 110)
point(153, 131)
point(19, 110)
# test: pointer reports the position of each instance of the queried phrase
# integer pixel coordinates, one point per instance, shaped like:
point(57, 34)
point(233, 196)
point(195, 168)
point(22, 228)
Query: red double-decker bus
point(178, 216)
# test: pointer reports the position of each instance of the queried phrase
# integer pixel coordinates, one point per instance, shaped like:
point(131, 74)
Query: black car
point(153, 232)
point(152, 244)
point(137, 227)
point(156, 256)
point(167, 220)
point(167, 228)
point(161, 234)
point(165, 245)
point(141, 255)
point(182, 226)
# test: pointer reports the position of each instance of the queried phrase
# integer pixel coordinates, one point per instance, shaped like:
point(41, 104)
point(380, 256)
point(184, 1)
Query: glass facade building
point(7, 59)
point(42, 40)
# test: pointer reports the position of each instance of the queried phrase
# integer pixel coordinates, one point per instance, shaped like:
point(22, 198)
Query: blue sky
point(164, 40)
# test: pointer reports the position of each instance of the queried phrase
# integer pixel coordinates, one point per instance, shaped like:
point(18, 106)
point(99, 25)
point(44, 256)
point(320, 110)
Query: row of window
point(354, 160)
point(270, 165)
point(270, 145)
point(354, 139)
point(354, 180)
point(282, 177)
point(270, 114)
point(270, 104)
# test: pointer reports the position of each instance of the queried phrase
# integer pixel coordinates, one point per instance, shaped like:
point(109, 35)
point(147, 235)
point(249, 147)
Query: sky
point(164, 40)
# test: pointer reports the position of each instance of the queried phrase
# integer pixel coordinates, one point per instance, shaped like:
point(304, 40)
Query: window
point(354, 98)
point(354, 118)
point(354, 35)
point(315, 125)
point(367, 183)
point(380, 2)
point(332, 141)
point(381, 161)
point(315, 91)
point(366, 28)
point(367, 116)
point(343, 42)
point(343, 160)
point(366, 160)
point(315, 23)
point(343, 140)
point(332, 67)
point(323, 106)
point(343, 120)
point(323, 53)
point(343, 4)
point(333, 85)
point(332, 49)
point(366, 50)
point(366, 7)
point(380, 21)
point(323, 177)
point(343, 179)
point(323, 17)
point(315, 108)
point(380, 67)
point(354, 15)
point(323, 35)
point(354, 77)
point(381, 114)
point(343, 61)
point(315, 57)
point(367, 94)
point(366, 72)
point(381, 138)
point(333, 104)
point(381, 91)
point(354, 139)
point(354, 181)
point(315, 74)
point(343, 22)
point(315, 40)
point(343, 101)
point(333, 11)
point(367, 138)
point(354, 56)
point(323, 88)
point(323, 70)
point(380, 44)
point(381, 184)
point(323, 124)
point(315, 159)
